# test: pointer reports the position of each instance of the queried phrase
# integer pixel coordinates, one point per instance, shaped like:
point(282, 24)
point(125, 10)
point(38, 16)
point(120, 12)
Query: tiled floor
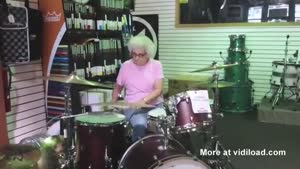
point(245, 132)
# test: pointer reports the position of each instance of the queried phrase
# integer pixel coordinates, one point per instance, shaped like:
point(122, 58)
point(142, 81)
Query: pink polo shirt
point(138, 81)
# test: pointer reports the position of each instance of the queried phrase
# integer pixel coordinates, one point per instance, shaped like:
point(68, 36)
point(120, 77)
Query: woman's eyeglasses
point(138, 54)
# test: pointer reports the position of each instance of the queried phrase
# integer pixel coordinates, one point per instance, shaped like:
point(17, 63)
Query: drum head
point(183, 162)
point(157, 112)
point(105, 118)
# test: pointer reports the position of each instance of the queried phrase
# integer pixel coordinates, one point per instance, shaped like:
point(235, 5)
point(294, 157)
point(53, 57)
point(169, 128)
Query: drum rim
point(282, 63)
point(185, 129)
point(188, 157)
point(101, 124)
point(138, 142)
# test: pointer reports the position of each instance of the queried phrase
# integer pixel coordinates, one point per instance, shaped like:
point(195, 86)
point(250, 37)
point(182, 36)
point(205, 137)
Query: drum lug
point(159, 163)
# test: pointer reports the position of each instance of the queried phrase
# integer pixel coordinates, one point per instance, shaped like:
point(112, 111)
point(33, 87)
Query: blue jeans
point(138, 120)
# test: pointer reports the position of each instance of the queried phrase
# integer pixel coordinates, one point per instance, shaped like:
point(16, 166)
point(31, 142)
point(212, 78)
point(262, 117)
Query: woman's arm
point(158, 88)
point(116, 92)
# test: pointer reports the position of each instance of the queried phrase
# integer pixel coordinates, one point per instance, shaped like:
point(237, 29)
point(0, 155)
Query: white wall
point(27, 116)
point(186, 49)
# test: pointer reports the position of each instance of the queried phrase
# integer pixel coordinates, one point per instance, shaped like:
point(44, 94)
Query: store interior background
point(182, 50)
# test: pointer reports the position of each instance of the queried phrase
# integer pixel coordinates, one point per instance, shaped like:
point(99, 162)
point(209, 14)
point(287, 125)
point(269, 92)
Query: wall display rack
point(93, 46)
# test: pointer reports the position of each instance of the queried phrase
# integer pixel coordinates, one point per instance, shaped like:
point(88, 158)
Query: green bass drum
point(236, 99)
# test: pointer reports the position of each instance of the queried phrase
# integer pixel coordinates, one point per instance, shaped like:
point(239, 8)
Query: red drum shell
point(94, 141)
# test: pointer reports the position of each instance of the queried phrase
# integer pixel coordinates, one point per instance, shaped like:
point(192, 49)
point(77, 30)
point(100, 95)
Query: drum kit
point(101, 140)
point(285, 75)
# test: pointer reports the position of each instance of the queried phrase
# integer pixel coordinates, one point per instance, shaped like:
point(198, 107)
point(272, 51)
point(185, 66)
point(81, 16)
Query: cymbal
point(19, 156)
point(191, 77)
point(215, 67)
point(221, 84)
point(119, 105)
point(74, 79)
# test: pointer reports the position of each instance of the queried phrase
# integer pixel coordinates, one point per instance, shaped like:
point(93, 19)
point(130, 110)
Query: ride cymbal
point(213, 67)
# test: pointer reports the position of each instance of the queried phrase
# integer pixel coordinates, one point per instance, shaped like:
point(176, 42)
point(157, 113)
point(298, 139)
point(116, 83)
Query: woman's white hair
point(142, 41)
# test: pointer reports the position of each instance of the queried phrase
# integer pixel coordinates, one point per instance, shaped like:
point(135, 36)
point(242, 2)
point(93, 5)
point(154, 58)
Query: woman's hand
point(139, 104)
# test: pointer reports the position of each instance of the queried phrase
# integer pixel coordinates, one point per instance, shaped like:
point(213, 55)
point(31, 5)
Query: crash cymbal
point(19, 157)
point(213, 67)
point(51, 148)
point(74, 79)
point(191, 77)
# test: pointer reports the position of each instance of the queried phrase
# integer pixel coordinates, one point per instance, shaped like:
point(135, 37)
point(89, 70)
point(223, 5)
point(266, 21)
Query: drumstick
point(65, 117)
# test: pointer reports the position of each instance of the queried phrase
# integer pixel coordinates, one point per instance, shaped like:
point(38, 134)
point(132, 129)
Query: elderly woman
point(142, 79)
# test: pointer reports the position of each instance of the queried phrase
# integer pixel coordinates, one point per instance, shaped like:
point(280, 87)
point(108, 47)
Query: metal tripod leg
point(218, 162)
point(278, 94)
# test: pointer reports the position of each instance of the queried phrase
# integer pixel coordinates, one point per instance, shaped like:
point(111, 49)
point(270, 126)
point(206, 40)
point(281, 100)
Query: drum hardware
point(218, 162)
point(289, 78)
point(216, 113)
point(67, 131)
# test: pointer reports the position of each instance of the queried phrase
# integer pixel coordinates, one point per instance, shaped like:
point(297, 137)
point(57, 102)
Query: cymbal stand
point(280, 91)
point(214, 144)
point(67, 131)
point(164, 126)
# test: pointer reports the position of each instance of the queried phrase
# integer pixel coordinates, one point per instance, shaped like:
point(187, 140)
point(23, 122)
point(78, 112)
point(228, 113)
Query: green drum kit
point(236, 94)
point(237, 98)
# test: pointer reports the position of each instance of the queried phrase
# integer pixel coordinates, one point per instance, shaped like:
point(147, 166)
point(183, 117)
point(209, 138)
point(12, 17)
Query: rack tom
point(186, 119)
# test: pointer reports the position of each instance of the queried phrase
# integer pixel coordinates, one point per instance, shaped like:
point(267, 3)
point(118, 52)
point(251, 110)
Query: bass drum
point(150, 152)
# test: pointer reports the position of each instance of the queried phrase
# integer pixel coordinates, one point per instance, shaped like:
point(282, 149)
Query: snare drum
point(291, 74)
point(186, 119)
point(154, 119)
point(150, 152)
point(100, 140)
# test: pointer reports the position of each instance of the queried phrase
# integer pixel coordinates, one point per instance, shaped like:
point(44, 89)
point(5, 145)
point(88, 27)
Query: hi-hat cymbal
point(74, 79)
point(213, 67)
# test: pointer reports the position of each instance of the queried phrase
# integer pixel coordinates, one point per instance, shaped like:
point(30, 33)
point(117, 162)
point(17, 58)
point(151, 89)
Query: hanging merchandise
point(14, 34)
point(35, 25)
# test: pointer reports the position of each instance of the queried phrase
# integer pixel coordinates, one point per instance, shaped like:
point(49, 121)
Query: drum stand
point(67, 131)
point(279, 93)
point(222, 161)
point(164, 124)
